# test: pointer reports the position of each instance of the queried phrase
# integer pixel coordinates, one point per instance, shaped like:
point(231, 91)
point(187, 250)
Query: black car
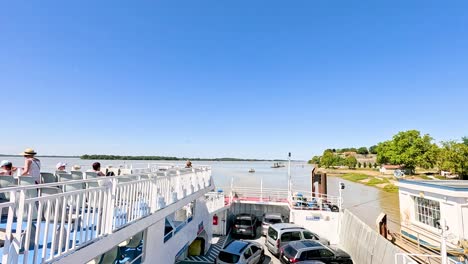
point(307, 250)
point(245, 224)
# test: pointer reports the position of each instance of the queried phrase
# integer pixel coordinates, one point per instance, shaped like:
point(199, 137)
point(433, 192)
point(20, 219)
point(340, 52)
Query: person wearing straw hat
point(32, 165)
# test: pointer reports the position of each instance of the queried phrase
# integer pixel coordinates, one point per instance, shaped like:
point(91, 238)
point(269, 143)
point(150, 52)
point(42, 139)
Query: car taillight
point(249, 227)
point(294, 260)
point(277, 243)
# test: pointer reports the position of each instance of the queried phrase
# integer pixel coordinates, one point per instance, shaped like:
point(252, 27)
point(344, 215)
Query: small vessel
point(278, 165)
point(252, 170)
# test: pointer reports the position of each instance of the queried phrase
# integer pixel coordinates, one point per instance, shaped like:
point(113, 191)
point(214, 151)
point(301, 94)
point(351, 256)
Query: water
point(364, 201)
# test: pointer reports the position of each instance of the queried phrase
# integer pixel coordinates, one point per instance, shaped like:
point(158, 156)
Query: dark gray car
point(245, 224)
point(308, 250)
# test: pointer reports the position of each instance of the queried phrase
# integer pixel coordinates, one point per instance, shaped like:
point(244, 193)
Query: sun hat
point(76, 167)
point(60, 164)
point(28, 152)
point(5, 163)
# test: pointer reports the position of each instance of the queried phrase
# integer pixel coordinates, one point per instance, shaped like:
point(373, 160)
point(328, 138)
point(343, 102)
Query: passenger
point(61, 167)
point(76, 168)
point(109, 172)
point(188, 164)
point(32, 165)
point(7, 168)
point(97, 169)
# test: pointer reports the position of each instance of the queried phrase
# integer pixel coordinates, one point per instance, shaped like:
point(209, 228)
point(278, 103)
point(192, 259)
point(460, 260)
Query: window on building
point(427, 211)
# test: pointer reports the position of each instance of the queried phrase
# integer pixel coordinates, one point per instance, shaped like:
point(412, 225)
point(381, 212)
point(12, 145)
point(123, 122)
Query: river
point(364, 201)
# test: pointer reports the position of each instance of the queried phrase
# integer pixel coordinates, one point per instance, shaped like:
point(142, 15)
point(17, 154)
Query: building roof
point(453, 185)
point(392, 167)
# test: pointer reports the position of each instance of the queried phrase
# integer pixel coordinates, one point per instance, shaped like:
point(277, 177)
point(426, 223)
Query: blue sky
point(252, 79)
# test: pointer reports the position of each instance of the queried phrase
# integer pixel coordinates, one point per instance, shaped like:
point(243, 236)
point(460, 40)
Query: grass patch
point(354, 177)
point(391, 188)
point(375, 181)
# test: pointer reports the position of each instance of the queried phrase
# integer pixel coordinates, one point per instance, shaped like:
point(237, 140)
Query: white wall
point(450, 210)
point(156, 251)
point(325, 224)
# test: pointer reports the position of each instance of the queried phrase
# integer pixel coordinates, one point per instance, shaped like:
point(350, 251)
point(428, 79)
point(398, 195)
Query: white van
point(279, 235)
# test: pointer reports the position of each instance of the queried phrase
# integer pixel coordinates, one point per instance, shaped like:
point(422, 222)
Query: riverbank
point(374, 178)
point(367, 177)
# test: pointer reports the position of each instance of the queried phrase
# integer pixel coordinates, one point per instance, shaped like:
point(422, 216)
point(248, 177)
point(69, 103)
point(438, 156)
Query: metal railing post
point(111, 190)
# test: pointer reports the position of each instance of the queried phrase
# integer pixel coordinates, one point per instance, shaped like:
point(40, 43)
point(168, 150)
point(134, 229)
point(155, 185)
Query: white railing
point(403, 258)
point(43, 222)
point(306, 200)
point(302, 200)
point(215, 201)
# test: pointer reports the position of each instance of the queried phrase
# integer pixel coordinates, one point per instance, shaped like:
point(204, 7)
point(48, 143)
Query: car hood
point(340, 253)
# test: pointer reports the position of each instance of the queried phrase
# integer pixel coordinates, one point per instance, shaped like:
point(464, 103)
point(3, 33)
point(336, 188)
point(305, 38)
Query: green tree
point(363, 151)
point(364, 165)
point(373, 149)
point(351, 162)
point(408, 148)
point(315, 160)
point(375, 165)
point(453, 157)
point(359, 165)
point(327, 159)
point(465, 140)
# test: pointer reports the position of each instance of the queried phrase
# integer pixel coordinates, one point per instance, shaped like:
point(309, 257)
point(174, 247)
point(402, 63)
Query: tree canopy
point(363, 151)
point(453, 157)
point(408, 148)
point(373, 149)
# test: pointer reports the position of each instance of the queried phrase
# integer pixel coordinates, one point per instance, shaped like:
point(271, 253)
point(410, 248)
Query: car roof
point(308, 243)
point(273, 215)
point(244, 216)
point(236, 246)
point(287, 226)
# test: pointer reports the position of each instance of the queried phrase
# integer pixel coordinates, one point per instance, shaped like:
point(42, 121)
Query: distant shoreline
point(162, 158)
point(117, 157)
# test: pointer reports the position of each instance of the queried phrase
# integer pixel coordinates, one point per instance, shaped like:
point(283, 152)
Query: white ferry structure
point(163, 214)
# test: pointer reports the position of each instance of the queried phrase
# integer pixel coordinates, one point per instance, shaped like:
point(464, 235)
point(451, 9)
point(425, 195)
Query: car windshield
point(228, 257)
point(243, 222)
point(272, 221)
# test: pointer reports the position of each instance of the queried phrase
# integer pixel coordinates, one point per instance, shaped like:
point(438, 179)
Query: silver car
point(241, 252)
point(279, 235)
point(270, 219)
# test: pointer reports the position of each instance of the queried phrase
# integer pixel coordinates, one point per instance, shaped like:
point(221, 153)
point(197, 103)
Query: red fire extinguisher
point(215, 220)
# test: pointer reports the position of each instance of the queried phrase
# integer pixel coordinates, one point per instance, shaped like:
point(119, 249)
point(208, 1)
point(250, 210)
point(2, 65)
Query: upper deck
point(44, 223)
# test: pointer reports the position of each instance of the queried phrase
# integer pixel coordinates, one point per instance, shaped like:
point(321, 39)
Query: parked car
point(270, 219)
point(311, 250)
point(245, 224)
point(242, 252)
point(279, 235)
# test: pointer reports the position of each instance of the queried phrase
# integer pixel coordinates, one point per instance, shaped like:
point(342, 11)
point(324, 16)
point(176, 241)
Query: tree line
point(411, 149)
point(117, 157)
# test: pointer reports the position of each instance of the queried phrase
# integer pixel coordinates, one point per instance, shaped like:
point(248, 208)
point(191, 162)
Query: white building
point(426, 205)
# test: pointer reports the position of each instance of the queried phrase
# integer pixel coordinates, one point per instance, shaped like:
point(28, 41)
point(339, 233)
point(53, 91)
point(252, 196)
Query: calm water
point(366, 202)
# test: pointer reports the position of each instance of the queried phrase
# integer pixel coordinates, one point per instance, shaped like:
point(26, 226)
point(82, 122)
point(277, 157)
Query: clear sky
point(241, 78)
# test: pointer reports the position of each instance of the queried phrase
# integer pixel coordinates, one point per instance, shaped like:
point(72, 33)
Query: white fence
point(215, 201)
point(299, 200)
point(43, 222)
point(403, 258)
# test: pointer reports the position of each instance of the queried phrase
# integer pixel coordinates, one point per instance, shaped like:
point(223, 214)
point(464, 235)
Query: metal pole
point(289, 175)
point(443, 246)
point(261, 189)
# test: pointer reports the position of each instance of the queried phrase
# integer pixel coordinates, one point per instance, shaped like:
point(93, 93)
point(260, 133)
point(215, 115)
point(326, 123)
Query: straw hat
point(28, 152)
point(76, 167)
